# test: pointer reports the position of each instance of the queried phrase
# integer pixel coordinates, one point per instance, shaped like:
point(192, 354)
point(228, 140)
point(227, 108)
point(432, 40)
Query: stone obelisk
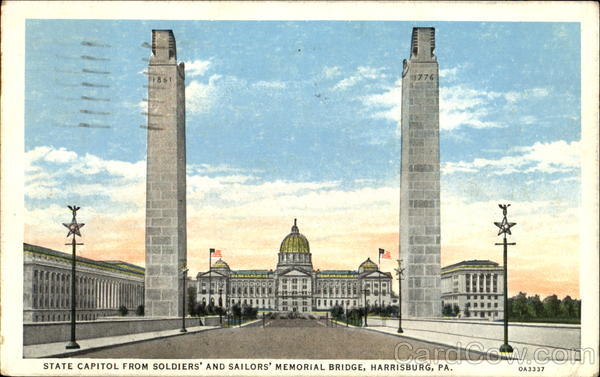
point(166, 246)
point(420, 179)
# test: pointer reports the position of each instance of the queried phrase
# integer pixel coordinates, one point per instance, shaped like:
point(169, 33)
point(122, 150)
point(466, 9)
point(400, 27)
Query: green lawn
point(576, 321)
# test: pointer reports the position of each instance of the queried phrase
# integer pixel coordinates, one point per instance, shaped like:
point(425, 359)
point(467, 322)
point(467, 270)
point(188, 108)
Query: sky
point(301, 120)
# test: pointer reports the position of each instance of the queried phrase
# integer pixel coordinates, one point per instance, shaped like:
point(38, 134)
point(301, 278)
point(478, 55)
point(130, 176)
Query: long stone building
point(294, 286)
point(476, 287)
point(102, 286)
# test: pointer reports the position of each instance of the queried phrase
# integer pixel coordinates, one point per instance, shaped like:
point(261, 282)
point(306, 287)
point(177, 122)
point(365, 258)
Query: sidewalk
point(58, 349)
point(483, 344)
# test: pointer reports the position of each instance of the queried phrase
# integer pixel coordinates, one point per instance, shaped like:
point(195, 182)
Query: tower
point(166, 252)
point(420, 179)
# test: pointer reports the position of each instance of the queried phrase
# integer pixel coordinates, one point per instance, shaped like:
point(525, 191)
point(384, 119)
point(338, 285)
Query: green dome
point(294, 242)
point(368, 265)
point(220, 264)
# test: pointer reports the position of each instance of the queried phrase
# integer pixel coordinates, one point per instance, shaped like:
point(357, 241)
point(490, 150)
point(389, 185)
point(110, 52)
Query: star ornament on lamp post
point(74, 227)
point(399, 272)
point(505, 226)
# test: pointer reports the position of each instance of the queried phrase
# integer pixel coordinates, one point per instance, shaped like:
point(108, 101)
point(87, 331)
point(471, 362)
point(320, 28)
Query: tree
point(123, 310)
point(447, 310)
point(552, 306)
point(210, 309)
point(567, 307)
point(236, 310)
point(200, 309)
point(455, 310)
point(535, 307)
point(519, 305)
point(577, 309)
point(337, 312)
point(139, 310)
point(249, 312)
point(191, 300)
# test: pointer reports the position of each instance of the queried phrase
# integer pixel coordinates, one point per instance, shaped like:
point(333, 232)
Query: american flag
point(385, 254)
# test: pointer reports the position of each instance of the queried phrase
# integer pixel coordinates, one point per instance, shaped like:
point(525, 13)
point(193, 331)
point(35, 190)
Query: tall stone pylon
point(420, 179)
point(166, 245)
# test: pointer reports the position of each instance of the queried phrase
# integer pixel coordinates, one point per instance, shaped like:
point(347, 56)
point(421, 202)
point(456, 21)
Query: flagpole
point(210, 253)
point(379, 278)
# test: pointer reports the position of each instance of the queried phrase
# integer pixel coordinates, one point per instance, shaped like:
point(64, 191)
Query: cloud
point(449, 74)
point(90, 164)
point(49, 170)
point(248, 217)
point(331, 72)
point(197, 67)
point(461, 106)
point(387, 105)
point(362, 73)
point(527, 94)
point(553, 157)
point(200, 98)
point(270, 84)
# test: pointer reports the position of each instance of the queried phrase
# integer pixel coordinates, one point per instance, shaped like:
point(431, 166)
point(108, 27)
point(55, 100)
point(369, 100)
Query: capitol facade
point(295, 285)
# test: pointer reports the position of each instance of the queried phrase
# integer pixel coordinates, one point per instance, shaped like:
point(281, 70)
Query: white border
point(14, 14)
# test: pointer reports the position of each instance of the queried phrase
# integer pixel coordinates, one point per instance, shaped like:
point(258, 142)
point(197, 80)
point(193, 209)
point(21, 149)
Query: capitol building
point(295, 285)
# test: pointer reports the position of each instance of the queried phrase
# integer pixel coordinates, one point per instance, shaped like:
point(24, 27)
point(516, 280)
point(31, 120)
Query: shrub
point(139, 310)
point(122, 310)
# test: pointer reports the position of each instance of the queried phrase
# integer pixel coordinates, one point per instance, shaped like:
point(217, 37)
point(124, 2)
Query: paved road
point(282, 339)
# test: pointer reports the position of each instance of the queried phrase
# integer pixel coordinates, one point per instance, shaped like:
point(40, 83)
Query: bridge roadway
point(285, 339)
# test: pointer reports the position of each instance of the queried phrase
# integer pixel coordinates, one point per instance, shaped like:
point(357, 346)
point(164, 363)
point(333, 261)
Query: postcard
point(280, 188)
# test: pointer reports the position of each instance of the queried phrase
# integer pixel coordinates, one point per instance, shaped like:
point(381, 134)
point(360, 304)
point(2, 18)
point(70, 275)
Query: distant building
point(476, 286)
point(102, 286)
point(294, 285)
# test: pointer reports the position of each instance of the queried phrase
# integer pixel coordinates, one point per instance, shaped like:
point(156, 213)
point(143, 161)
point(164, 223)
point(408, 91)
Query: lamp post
point(210, 253)
point(381, 251)
point(347, 319)
point(220, 301)
point(399, 272)
point(184, 274)
point(365, 290)
point(504, 230)
point(74, 229)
